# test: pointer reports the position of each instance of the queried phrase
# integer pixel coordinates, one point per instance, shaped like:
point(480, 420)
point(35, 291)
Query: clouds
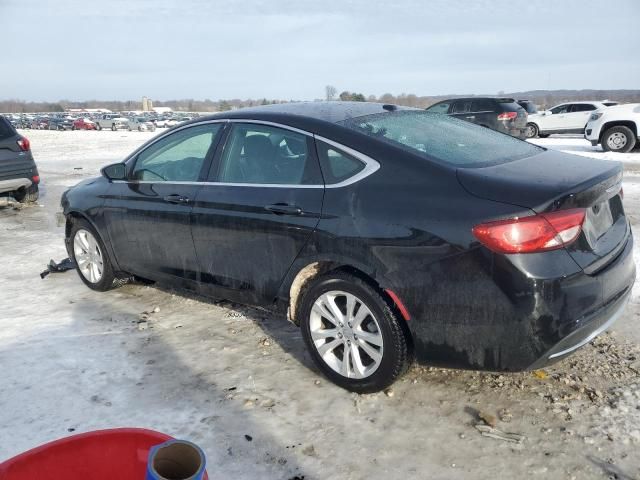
point(291, 49)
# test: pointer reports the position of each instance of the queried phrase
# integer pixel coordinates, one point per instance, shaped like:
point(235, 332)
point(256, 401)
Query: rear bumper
point(592, 326)
point(515, 313)
point(14, 184)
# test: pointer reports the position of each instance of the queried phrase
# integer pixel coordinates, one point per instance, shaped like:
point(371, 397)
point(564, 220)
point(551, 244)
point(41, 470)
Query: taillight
point(508, 116)
point(35, 179)
point(24, 144)
point(538, 233)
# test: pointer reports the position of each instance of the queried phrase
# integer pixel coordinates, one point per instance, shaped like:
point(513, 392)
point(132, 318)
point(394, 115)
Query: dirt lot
point(238, 381)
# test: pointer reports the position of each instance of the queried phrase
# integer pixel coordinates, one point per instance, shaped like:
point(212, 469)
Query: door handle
point(284, 209)
point(177, 199)
point(471, 117)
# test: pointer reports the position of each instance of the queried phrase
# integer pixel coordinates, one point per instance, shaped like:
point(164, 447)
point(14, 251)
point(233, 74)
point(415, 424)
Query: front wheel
point(531, 130)
point(618, 139)
point(353, 335)
point(91, 259)
point(98, 126)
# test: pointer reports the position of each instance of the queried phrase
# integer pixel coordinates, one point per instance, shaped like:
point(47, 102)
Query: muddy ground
point(239, 382)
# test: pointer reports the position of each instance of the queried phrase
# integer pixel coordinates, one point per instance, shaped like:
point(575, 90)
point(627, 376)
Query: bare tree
point(330, 92)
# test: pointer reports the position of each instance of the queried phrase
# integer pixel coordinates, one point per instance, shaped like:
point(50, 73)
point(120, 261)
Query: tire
point(618, 139)
point(28, 195)
point(106, 280)
point(98, 126)
point(113, 127)
point(543, 135)
point(73, 128)
point(380, 325)
point(531, 131)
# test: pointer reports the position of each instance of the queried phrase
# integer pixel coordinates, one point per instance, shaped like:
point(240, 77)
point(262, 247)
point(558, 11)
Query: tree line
point(542, 98)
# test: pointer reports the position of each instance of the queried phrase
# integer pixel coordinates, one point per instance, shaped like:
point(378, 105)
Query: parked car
point(564, 118)
point(160, 122)
point(529, 106)
point(40, 123)
point(616, 128)
point(60, 123)
point(141, 124)
point(84, 123)
point(386, 233)
point(501, 114)
point(171, 122)
point(19, 175)
point(113, 121)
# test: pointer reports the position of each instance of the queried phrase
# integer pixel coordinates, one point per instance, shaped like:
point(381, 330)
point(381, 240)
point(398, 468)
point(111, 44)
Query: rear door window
point(483, 105)
point(582, 107)
point(265, 155)
point(461, 106)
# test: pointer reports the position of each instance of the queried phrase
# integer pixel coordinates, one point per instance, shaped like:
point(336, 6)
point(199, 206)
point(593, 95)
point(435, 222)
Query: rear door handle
point(177, 199)
point(284, 209)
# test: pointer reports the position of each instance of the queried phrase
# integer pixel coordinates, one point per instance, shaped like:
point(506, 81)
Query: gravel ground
point(238, 381)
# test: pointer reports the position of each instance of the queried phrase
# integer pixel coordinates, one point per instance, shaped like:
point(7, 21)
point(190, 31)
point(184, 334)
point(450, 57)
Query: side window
point(461, 107)
point(261, 154)
point(337, 165)
point(442, 107)
point(482, 106)
point(582, 107)
point(560, 109)
point(176, 157)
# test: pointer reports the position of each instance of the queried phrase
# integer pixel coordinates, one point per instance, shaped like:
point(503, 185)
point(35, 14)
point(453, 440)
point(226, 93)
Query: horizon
point(293, 49)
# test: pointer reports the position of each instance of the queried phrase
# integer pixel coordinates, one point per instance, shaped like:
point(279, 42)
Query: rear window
point(6, 129)
point(442, 138)
point(529, 107)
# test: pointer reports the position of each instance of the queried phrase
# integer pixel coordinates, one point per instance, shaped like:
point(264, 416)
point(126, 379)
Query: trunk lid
point(552, 181)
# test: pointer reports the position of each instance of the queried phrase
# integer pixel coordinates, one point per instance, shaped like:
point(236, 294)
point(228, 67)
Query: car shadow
point(274, 325)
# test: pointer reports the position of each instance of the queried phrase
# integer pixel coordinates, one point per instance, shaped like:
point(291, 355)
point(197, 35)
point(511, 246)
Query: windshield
point(443, 138)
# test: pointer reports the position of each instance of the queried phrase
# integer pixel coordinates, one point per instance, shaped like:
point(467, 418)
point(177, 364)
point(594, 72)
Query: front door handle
point(284, 209)
point(177, 199)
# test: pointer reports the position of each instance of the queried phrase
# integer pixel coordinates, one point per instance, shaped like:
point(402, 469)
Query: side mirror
point(115, 171)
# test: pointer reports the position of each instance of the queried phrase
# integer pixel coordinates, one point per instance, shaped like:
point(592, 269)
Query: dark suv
point(19, 176)
point(501, 114)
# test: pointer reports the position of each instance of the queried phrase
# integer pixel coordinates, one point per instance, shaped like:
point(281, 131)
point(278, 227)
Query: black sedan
point(387, 234)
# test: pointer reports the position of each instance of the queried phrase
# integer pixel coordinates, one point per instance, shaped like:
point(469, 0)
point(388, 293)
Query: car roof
point(332, 112)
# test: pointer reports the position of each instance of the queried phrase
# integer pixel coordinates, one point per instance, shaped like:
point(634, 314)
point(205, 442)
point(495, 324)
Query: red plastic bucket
point(119, 453)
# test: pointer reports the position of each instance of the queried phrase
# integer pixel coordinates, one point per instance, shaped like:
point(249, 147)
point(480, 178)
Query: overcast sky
point(291, 49)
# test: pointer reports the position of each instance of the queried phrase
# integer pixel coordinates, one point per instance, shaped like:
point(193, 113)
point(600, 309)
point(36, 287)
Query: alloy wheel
point(346, 334)
point(88, 256)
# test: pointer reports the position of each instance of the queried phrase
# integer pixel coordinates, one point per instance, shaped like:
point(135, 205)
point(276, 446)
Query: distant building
point(147, 105)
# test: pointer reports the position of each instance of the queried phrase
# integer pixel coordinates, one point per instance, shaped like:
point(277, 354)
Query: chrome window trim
point(371, 165)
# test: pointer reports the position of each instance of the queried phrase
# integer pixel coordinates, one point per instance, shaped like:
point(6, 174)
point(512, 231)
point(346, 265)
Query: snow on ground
point(75, 360)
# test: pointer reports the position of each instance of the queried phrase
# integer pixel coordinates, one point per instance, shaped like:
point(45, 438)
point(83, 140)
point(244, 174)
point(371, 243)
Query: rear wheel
point(618, 139)
point(353, 336)
point(28, 195)
point(531, 130)
point(91, 259)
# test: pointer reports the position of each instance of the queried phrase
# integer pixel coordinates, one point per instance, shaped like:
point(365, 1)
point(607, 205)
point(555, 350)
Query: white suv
point(615, 128)
point(568, 117)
